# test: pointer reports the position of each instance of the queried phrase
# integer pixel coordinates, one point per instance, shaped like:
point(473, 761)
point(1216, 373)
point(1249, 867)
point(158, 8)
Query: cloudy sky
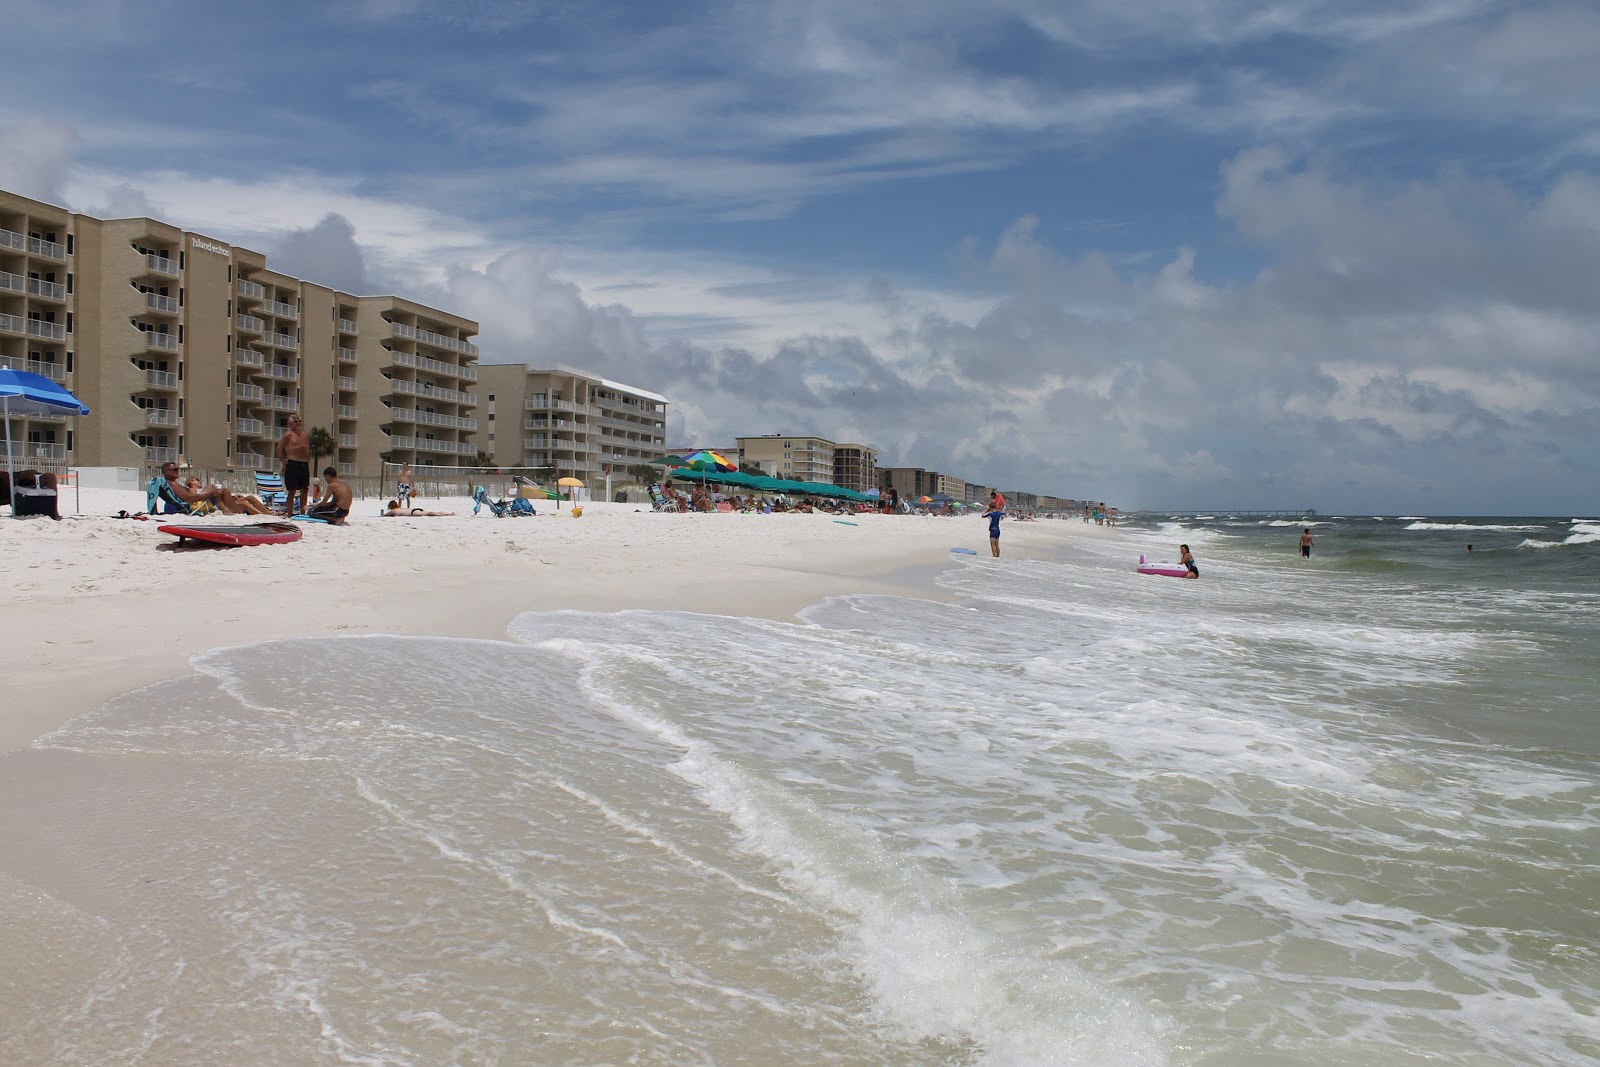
point(1341, 254)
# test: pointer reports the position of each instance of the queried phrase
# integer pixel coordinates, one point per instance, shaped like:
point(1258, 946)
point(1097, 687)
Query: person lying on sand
point(394, 510)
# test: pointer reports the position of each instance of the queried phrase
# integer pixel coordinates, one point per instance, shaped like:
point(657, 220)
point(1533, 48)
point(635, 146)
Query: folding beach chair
point(658, 499)
point(269, 487)
point(480, 500)
point(158, 492)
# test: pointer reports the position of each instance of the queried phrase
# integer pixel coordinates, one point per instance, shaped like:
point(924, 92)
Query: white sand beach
point(96, 605)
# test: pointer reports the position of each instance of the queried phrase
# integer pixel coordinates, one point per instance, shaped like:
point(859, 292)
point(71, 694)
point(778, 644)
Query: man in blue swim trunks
point(996, 512)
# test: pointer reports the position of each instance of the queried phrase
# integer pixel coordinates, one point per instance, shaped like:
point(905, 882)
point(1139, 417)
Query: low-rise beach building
point(568, 423)
point(805, 459)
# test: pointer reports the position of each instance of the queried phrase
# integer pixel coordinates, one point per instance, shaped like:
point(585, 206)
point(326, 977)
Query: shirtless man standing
point(294, 448)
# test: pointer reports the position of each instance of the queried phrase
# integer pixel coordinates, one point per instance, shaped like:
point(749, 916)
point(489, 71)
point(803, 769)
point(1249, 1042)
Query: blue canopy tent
point(23, 393)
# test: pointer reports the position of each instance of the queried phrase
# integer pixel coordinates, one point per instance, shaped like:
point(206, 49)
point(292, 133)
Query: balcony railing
point(161, 265)
point(348, 440)
point(248, 427)
point(347, 355)
point(347, 384)
point(166, 342)
point(160, 379)
point(14, 282)
point(347, 470)
point(154, 456)
point(346, 411)
point(253, 393)
point(451, 396)
point(249, 357)
point(44, 450)
point(160, 417)
point(431, 418)
point(53, 331)
point(12, 324)
point(283, 372)
point(249, 323)
point(157, 302)
point(40, 247)
point(280, 309)
point(250, 461)
point(407, 359)
point(250, 290)
point(53, 371)
point(12, 239)
point(347, 325)
point(282, 340)
point(283, 403)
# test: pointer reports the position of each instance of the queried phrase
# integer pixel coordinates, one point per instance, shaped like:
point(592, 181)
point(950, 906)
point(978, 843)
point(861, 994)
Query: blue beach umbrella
point(23, 393)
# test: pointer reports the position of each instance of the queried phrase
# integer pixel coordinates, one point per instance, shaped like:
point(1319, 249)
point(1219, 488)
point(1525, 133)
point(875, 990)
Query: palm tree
point(322, 444)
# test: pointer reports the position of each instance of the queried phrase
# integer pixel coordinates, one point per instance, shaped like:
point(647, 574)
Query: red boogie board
point(261, 533)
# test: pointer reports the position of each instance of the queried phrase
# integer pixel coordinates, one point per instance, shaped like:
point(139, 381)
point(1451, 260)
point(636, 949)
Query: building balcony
point(348, 440)
point(348, 470)
point(249, 358)
point(347, 384)
point(56, 372)
point(161, 379)
point(163, 305)
point(43, 450)
point(431, 418)
point(249, 323)
point(250, 461)
point(161, 265)
point(347, 411)
point(432, 392)
point(160, 342)
point(160, 417)
point(410, 359)
point(283, 372)
point(347, 325)
point(253, 393)
point(347, 355)
point(13, 324)
point(50, 331)
point(284, 403)
point(155, 457)
point(281, 310)
point(249, 427)
point(282, 340)
point(16, 283)
point(249, 290)
point(34, 246)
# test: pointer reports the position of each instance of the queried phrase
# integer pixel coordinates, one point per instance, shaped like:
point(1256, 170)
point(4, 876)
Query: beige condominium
point(855, 466)
point(806, 459)
point(187, 348)
point(566, 423)
point(34, 318)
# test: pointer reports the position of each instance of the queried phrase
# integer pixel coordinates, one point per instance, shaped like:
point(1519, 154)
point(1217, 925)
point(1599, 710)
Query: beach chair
point(159, 493)
point(480, 500)
point(269, 487)
point(658, 499)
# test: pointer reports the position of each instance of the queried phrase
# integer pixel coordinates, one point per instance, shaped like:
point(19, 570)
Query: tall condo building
point(187, 348)
point(568, 423)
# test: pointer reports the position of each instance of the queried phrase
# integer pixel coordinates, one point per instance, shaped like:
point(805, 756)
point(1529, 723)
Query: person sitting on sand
point(395, 510)
point(336, 498)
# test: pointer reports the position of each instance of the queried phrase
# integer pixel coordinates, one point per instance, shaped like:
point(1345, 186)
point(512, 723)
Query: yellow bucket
point(577, 511)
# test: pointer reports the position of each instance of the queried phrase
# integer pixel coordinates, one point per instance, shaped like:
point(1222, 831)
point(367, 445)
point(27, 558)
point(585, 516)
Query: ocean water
point(1337, 811)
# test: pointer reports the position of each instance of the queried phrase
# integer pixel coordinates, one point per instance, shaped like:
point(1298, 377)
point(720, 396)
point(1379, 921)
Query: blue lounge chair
point(269, 487)
point(500, 508)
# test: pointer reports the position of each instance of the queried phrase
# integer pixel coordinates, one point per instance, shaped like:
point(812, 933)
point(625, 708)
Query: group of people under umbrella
point(711, 468)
